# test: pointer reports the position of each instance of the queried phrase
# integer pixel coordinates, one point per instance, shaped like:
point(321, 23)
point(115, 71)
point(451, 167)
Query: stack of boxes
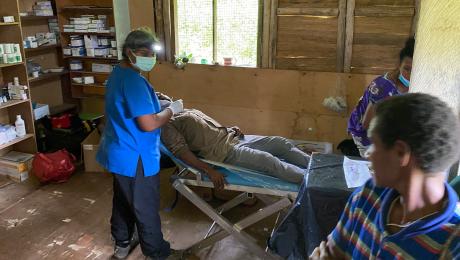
point(91, 46)
point(88, 23)
point(16, 165)
point(40, 39)
point(14, 91)
point(10, 53)
point(43, 8)
point(54, 27)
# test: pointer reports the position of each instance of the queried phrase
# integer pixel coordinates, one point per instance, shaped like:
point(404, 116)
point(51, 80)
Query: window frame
point(260, 29)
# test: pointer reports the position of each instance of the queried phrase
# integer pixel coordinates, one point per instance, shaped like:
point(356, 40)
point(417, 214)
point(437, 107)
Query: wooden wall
point(265, 101)
point(308, 36)
point(359, 36)
point(380, 30)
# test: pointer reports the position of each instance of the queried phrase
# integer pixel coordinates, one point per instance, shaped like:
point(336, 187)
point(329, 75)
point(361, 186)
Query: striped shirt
point(360, 232)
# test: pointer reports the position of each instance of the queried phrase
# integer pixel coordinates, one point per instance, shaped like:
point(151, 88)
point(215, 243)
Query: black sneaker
point(120, 253)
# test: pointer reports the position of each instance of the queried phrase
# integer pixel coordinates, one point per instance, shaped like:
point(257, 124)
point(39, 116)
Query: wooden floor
point(71, 221)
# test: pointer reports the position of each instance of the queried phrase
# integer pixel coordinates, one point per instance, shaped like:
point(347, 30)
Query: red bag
point(61, 121)
point(54, 167)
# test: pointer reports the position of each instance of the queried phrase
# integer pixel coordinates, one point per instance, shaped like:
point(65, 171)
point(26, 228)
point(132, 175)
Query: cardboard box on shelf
point(19, 177)
point(96, 67)
point(41, 110)
point(90, 146)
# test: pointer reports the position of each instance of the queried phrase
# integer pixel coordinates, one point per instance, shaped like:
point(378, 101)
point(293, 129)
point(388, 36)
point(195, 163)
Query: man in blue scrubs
point(130, 149)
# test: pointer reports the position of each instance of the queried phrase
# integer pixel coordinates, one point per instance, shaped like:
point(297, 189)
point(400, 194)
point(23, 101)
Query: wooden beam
point(167, 29)
point(273, 33)
point(350, 24)
point(415, 18)
point(341, 27)
point(379, 11)
point(173, 15)
point(266, 34)
point(214, 30)
point(308, 11)
point(159, 28)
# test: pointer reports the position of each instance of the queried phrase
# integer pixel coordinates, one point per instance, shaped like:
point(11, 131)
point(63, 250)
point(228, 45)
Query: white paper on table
point(356, 172)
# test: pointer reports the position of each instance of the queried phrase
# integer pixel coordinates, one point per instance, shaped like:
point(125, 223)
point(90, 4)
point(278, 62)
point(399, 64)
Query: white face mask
point(145, 64)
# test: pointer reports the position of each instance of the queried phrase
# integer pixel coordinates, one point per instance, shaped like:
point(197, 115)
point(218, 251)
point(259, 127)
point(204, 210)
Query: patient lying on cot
point(191, 133)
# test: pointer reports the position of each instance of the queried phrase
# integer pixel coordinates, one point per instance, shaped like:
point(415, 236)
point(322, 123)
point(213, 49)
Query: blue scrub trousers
point(136, 200)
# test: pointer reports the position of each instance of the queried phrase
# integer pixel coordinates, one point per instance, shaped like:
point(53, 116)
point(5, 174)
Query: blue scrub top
point(129, 95)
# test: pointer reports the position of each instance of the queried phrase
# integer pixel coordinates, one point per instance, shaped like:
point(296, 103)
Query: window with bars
point(212, 30)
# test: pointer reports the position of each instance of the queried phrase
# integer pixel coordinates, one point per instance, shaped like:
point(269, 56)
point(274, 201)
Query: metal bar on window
point(214, 30)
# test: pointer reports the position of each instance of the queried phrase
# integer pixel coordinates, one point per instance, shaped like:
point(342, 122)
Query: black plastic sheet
point(319, 204)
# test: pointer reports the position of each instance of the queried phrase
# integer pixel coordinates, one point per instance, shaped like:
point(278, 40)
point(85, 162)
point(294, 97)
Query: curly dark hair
point(408, 50)
point(425, 123)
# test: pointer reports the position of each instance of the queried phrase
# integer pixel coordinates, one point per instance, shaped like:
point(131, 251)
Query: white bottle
point(20, 126)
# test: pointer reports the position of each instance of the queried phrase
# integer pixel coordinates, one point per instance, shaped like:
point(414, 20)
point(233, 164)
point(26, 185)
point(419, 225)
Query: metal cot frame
point(275, 200)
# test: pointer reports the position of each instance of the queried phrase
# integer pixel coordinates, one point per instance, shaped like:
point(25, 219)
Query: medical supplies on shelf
point(16, 91)
point(90, 46)
point(39, 39)
point(10, 53)
point(43, 8)
point(7, 133)
point(88, 23)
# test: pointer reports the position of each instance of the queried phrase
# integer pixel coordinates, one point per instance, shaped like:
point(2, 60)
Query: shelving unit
point(90, 58)
point(89, 33)
point(12, 33)
point(6, 24)
point(89, 9)
point(81, 72)
point(35, 18)
point(117, 13)
point(13, 103)
point(11, 64)
point(52, 89)
point(17, 140)
point(47, 76)
point(43, 48)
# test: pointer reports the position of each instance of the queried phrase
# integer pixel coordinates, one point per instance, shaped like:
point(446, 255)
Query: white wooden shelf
point(15, 141)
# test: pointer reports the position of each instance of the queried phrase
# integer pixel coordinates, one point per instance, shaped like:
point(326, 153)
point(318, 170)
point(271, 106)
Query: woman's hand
point(176, 106)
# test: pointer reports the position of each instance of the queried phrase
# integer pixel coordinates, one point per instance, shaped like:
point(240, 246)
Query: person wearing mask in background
point(129, 149)
point(392, 83)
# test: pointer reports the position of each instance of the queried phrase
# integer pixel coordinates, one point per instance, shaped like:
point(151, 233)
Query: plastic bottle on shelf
point(20, 126)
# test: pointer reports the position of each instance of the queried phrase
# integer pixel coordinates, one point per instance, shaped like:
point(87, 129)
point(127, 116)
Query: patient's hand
point(162, 96)
point(217, 178)
point(237, 130)
point(320, 253)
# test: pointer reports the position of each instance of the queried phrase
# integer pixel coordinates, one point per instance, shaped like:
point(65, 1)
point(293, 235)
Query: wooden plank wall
point(307, 35)
point(380, 30)
point(265, 101)
point(358, 36)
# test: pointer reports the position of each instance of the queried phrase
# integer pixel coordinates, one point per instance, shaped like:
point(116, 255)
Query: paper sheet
point(356, 172)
